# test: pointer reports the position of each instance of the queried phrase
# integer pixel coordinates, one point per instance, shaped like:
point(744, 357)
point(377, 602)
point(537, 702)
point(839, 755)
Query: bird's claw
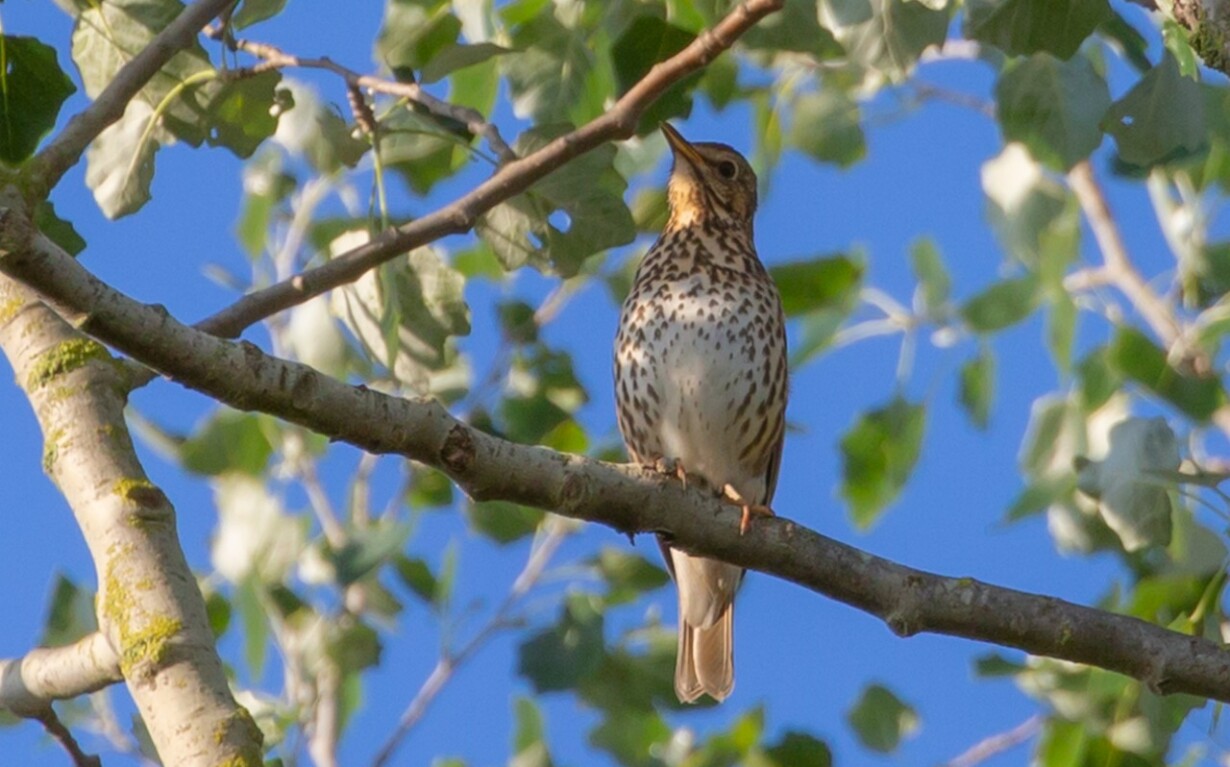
point(671, 467)
point(749, 509)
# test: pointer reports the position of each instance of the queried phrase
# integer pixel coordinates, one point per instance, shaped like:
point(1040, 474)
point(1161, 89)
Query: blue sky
point(802, 656)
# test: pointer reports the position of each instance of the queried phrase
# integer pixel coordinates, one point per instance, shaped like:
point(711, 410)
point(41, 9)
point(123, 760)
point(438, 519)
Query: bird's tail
point(706, 660)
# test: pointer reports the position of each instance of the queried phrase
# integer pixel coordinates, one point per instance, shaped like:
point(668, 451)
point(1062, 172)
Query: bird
point(701, 382)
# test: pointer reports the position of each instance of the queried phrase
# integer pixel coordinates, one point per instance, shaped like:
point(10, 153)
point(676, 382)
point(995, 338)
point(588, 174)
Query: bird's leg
point(749, 509)
point(671, 467)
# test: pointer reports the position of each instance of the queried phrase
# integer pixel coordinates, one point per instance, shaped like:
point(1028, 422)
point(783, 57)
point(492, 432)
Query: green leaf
point(255, 625)
point(994, 665)
point(795, 749)
point(502, 521)
point(218, 609)
point(1001, 305)
point(428, 488)
point(355, 645)
point(529, 737)
point(881, 719)
point(796, 27)
point(1098, 379)
point(367, 549)
point(934, 284)
point(1162, 117)
point(1053, 107)
point(1061, 329)
point(627, 575)
point(1022, 27)
point(557, 658)
point(455, 56)
point(886, 36)
point(507, 228)
point(1026, 207)
point(977, 386)
point(255, 11)
point(58, 230)
point(413, 32)
point(228, 441)
point(1137, 358)
point(418, 577)
point(34, 88)
point(120, 162)
point(548, 71)
point(647, 41)
point(830, 282)
point(632, 737)
point(70, 614)
point(241, 115)
point(420, 149)
point(878, 455)
point(827, 126)
point(1038, 497)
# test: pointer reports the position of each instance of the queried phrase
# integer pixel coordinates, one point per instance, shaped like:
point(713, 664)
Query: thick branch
point(44, 171)
point(149, 608)
point(28, 685)
point(460, 216)
point(622, 497)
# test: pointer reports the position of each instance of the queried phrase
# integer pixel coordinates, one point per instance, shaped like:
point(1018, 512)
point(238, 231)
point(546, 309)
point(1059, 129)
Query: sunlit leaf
point(229, 441)
point(1139, 359)
point(881, 720)
point(830, 282)
point(70, 614)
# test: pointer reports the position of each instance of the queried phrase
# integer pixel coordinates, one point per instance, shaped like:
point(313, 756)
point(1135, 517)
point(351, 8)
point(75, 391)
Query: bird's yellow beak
point(680, 146)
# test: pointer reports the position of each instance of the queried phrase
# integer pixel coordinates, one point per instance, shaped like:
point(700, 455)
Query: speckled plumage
point(701, 379)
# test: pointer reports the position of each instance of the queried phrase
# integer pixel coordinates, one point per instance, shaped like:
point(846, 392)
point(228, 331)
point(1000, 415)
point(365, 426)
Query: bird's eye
point(727, 169)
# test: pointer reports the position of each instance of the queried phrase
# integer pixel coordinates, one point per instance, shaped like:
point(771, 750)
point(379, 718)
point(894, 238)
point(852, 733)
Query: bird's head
point(710, 183)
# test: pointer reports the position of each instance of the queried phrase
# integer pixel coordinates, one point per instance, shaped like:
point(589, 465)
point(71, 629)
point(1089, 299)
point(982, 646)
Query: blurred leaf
point(827, 126)
point(1098, 378)
point(795, 749)
point(455, 56)
point(413, 32)
point(1037, 497)
point(1135, 356)
point(70, 614)
point(218, 609)
point(254, 625)
point(1133, 45)
point(886, 36)
point(355, 645)
point(934, 284)
point(1132, 498)
point(1022, 27)
point(796, 27)
point(548, 69)
point(529, 737)
point(367, 549)
point(502, 521)
point(240, 114)
point(647, 41)
point(517, 323)
point(730, 747)
point(421, 149)
point(228, 441)
point(881, 719)
point(1001, 305)
point(58, 230)
point(977, 386)
point(1061, 329)
point(418, 577)
point(34, 89)
point(1054, 107)
point(254, 11)
point(557, 658)
point(878, 455)
point(1161, 117)
point(1024, 204)
point(995, 665)
point(632, 736)
point(507, 228)
point(627, 575)
point(527, 419)
point(428, 488)
point(830, 282)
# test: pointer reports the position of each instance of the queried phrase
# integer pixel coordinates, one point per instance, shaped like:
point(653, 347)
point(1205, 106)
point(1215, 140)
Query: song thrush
point(700, 380)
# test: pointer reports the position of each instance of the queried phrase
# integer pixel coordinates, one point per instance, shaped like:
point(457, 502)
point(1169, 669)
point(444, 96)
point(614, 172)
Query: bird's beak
point(680, 146)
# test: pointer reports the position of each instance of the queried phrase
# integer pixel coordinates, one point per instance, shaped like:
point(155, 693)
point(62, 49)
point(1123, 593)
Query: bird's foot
point(749, 509)
point(671, 467)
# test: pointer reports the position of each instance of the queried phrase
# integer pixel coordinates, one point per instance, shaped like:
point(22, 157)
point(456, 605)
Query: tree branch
point(460, 216)
point(625, 498)
point(46, 168)
point(29, 684)
point(276, 58)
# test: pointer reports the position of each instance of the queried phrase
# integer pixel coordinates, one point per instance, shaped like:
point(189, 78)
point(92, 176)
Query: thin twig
point(458, 217)
point(46, 168)
point(56, 729)
point(1119, 267)
point(449, 662)
point(999, 743)
point(276, 58)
